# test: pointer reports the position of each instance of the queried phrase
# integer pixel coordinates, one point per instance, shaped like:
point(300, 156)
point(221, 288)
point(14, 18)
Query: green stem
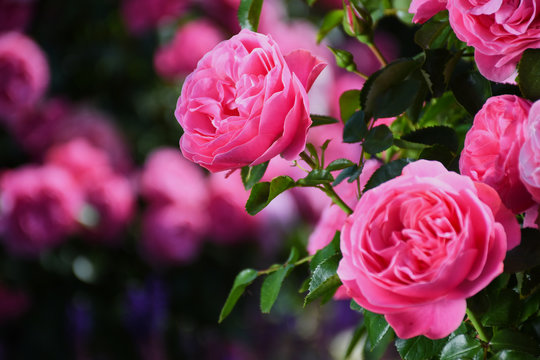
point(477, 326)
point(276, 268)
point(327, 188)
point(361, 74)
point(377, 54)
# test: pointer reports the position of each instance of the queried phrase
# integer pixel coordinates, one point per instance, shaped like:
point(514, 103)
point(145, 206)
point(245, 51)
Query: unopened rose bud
point(357, 21)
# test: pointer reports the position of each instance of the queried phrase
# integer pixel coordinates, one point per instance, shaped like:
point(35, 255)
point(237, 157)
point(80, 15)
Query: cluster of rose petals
point(39, 208)
point(24, 73)
point(492, 147)
point(529, 155)
point(175, 221)
point(14, 14)
point(418, 245)
point(142, 15)
point(246, 103)
point(189, 44)
point(423, 10)
point(110, 195)
point(500, 31)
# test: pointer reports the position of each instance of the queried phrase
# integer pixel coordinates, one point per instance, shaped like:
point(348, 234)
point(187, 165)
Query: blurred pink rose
point(15, 14)
point(499, 31)
point(13, 303)
point(167, 177)
point(423, 10)
point(24, 73)
point(39, 208)
point(171, 234)
point(491, 149)
point(142, 15)
point(418, 245)
point(246, 103)
point(529, 155)
point(230, 223)
point(190, 43)
point(110, 195)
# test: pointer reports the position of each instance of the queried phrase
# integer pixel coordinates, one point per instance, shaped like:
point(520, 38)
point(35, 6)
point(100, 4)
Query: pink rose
point(246, 103)
point(500, 31)
point(189, 44)
point(15, 14)
point(24, 73)
point(168, 178)
point(142, 15)
point(171, 235)
point(491, 149)
point(418, 245)
point(529, 155)
point(423, 10)
point(39, 207)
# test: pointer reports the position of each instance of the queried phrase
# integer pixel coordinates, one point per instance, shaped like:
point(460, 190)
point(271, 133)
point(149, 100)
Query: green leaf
point(507, 339)
point(348, 172)
point(419, 347)
point(462, 347)
point(272, 284)
point(378, 139)
point(330, 21)
point(356, 174)
point(354, 306)
point(313, 152)
point(316, 177)
point(264, 192)
point(252, 174)
point(435, 65)
point(386, 172)
point(438, 153)
point(529, 74)
point(325, 253)
point(526, 255)
point(441, 135)
point(433, 34)
point(349, 103)
point(374, 98)
point(469, 87)
point(513, 355)
point(311, 2)
point(344, 59)
point(376, 327)
point(249, 12)
point(242, 280)
point(355, 128)
point(318, 120)
point(339, 164)
point(359, 332)
point(324, 281)
point(504, 308)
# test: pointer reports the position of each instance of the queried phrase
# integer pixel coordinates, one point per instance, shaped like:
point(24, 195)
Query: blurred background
point(112, 245)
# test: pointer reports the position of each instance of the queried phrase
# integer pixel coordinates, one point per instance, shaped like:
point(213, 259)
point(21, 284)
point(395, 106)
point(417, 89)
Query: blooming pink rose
point(246, 103)
point(171, 235)
point(24, 73)
point(39, 207)
point(425, 9)
point(142, 15)
point(500, 31)
point(491, 149)
point(14, 14)
point(418, 245)
point(189, 44)
point(529, 155)
point(167, 177)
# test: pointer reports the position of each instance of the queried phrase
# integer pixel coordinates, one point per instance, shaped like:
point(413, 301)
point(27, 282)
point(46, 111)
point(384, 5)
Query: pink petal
point(305, 66)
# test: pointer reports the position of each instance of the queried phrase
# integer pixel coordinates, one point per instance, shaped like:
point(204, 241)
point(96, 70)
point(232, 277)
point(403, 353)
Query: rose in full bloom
point(418, 245)
point(246, 103)
point(491, 149)
point(189, 44)
point(529, 155)
point(39, 207)
point(425, 9)
point(500, 31)
point(24, 73)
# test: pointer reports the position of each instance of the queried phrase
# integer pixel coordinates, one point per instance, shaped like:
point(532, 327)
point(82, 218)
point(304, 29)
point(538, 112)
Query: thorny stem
point(477, 326)
point(377, 54)
point(327, 188)
point(276, 268)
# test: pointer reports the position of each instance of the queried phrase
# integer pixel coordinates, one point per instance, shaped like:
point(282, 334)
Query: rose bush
point(246, 103)
point(491, 149)
point(418, 245)
point(529, 156)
